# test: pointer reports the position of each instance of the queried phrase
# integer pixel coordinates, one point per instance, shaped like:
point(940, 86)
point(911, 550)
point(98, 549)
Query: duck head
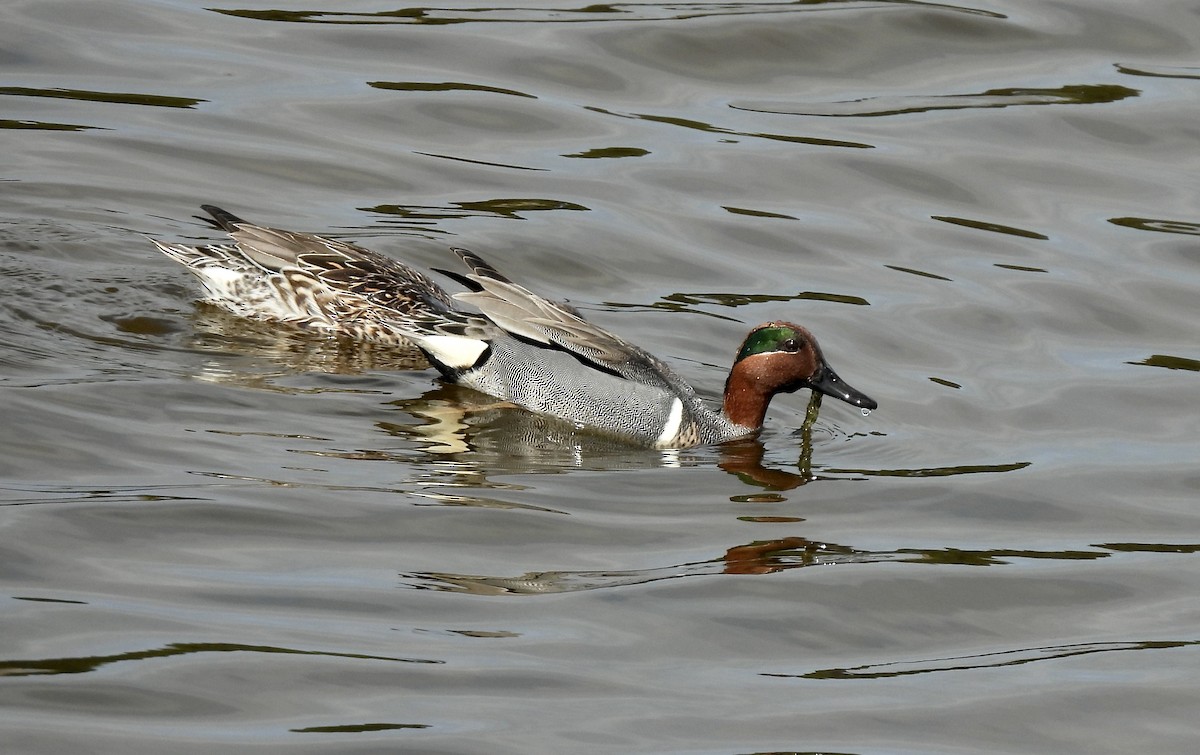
point(781, 357)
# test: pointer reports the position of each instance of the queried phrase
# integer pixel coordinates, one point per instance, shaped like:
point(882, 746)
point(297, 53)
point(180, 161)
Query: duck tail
point(478, 266)
point(222, 219)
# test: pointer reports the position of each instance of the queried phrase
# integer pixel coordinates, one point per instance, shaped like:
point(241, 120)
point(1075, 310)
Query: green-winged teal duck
point(519, 347)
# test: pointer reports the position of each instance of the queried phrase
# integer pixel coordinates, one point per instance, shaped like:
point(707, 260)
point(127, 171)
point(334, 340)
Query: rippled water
point(219, 536)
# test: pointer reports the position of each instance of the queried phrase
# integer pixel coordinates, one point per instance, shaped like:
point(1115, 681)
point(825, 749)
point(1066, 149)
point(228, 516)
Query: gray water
point(223, 537)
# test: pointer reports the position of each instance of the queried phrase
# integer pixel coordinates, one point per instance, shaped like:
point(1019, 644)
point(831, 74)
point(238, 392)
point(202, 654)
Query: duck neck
point(747, 395)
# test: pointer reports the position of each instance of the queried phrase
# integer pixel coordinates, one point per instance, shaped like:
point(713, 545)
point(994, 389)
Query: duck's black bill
point(830, 384)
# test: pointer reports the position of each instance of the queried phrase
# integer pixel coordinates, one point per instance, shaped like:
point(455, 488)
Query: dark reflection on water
point(443, 86)
point(602, 153)
point(921, 273)
point(947, 383)
point(356, 728)
point(986, 660)
point(994, 227)
point(120, 98)
point(741, 300)
point(1152, 547)
point(83, 665)
point(871, 107)
point(938, 471)
point(1162, 72)
point(512, 208)
point(486, 163)
point(1160, 226)
point(694, 125)
point(759, 557)
point(602, 12)
point(1170, 362)
point(697, 303)
point(758, 213)
point(31, 495)
point(957, 557)
point(6, 123)
point(1022, 268)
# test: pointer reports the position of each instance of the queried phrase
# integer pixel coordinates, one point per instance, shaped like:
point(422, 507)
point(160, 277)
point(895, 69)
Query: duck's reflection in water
point(760, 557)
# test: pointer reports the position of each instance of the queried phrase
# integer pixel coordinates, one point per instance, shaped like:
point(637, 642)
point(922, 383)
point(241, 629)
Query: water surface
point(219, 536)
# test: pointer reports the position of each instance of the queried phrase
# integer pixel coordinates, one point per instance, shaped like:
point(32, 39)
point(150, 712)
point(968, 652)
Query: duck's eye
point(791, 345)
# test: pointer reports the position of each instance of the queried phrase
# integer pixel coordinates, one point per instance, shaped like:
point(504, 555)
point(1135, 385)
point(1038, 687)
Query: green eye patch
point(766, 340)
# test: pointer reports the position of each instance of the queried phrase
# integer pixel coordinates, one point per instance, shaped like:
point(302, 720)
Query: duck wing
point(517, 310)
